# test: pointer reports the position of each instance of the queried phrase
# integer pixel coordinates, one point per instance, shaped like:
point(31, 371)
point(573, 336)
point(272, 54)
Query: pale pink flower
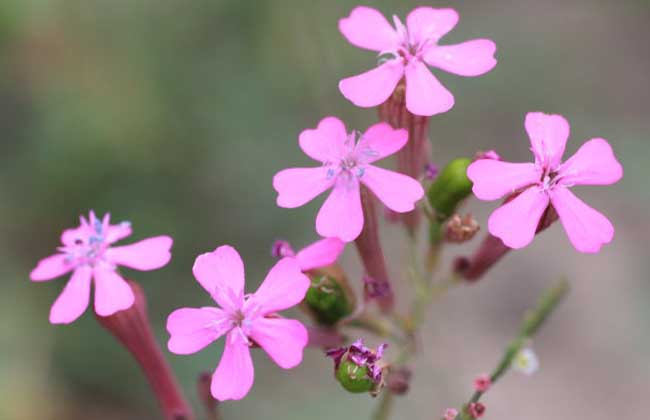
point(88, 253)
point(347, 161)
point(545, 182)
point(405, 51)
point(245, 319)
point(319, 254)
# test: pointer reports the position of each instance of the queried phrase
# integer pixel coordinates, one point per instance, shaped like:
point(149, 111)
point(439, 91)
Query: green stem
point(533, 320)
point(384, 408)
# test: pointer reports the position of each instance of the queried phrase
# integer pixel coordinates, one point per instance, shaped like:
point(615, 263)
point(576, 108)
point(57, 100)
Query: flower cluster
point(535, 194)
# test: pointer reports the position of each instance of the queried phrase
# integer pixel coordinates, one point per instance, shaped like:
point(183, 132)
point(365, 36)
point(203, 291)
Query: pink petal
point(283, 340)
point(73, 301)
point(494, 179)
point(284, 286)
point(367, 28)
point(426, 23)
point(548, 136)
point(234, 376)
point(192, 329)
point(341, 215)
point(148, 254)
point(117, 232)
point(320, 254)
point(379, 141)
point(515, 222)
point(298, 186)
point(397, 191)
point(326, 142)
point(50, 267)
point(112, 292)
point(373, 87)
point(70, 236)
point(471, 58)
point(587, 228)
point(593, 164)
point(221, 273)
point(425, 95)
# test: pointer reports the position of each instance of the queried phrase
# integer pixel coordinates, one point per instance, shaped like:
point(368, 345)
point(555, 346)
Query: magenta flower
point(347, 163)
point(87, 251)
point(548, 181)
point(319, 254)
point(244, 319)
point(405, 51)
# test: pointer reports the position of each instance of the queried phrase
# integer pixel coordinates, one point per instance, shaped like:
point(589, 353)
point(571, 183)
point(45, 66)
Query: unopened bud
point(374, 289)
point(430, 171)
point(461, 229)
point(476, 410)
point(282, 249)
point(450, 188)
point(450, 414)
point(358, 368)
point(398, 380)
point(329, 299)
point(482, 383)
point(446, 193)
point(354, 378)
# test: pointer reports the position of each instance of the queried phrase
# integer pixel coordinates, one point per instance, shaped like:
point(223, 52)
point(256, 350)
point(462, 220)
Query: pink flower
point(245, 319)
point(319, 254)
point(87, 252)
point(405, 51)
point(548, 181)
point(347, 163)
point(482, 383)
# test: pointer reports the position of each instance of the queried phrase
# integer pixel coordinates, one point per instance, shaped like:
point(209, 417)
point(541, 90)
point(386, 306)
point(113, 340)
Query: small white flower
point(526, 361)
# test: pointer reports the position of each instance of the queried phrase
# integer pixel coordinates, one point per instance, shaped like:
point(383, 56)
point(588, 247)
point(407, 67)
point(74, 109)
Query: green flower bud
point(446, 193)
point(450, 188)
point(329, 298)
point(354, 378)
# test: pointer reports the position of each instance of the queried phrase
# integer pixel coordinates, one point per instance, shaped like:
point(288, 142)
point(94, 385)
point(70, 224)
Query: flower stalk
point(132, 329)
point(412, 158)
point(371, 253)
point(492, 249)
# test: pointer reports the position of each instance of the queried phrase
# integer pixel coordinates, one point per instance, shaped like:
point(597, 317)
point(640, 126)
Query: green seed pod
point(450, 188)
point(329, 299)
point(354, 378)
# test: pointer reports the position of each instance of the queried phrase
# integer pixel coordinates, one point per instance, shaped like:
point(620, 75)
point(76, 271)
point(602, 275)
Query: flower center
point(549, 180)
point(89, 247)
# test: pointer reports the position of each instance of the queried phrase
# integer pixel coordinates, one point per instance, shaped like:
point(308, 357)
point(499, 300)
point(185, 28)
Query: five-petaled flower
point(317, 255)
point(245, 319)
point(405, 51)
point(548, 181)
point(87, 251)
point(347, 161)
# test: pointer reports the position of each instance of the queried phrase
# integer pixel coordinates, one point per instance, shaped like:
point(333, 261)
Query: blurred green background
point(176, 114)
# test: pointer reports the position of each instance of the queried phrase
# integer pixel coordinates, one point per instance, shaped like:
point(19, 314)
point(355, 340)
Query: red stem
point(370, 251)
point(131, 327)
point(411, 159)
